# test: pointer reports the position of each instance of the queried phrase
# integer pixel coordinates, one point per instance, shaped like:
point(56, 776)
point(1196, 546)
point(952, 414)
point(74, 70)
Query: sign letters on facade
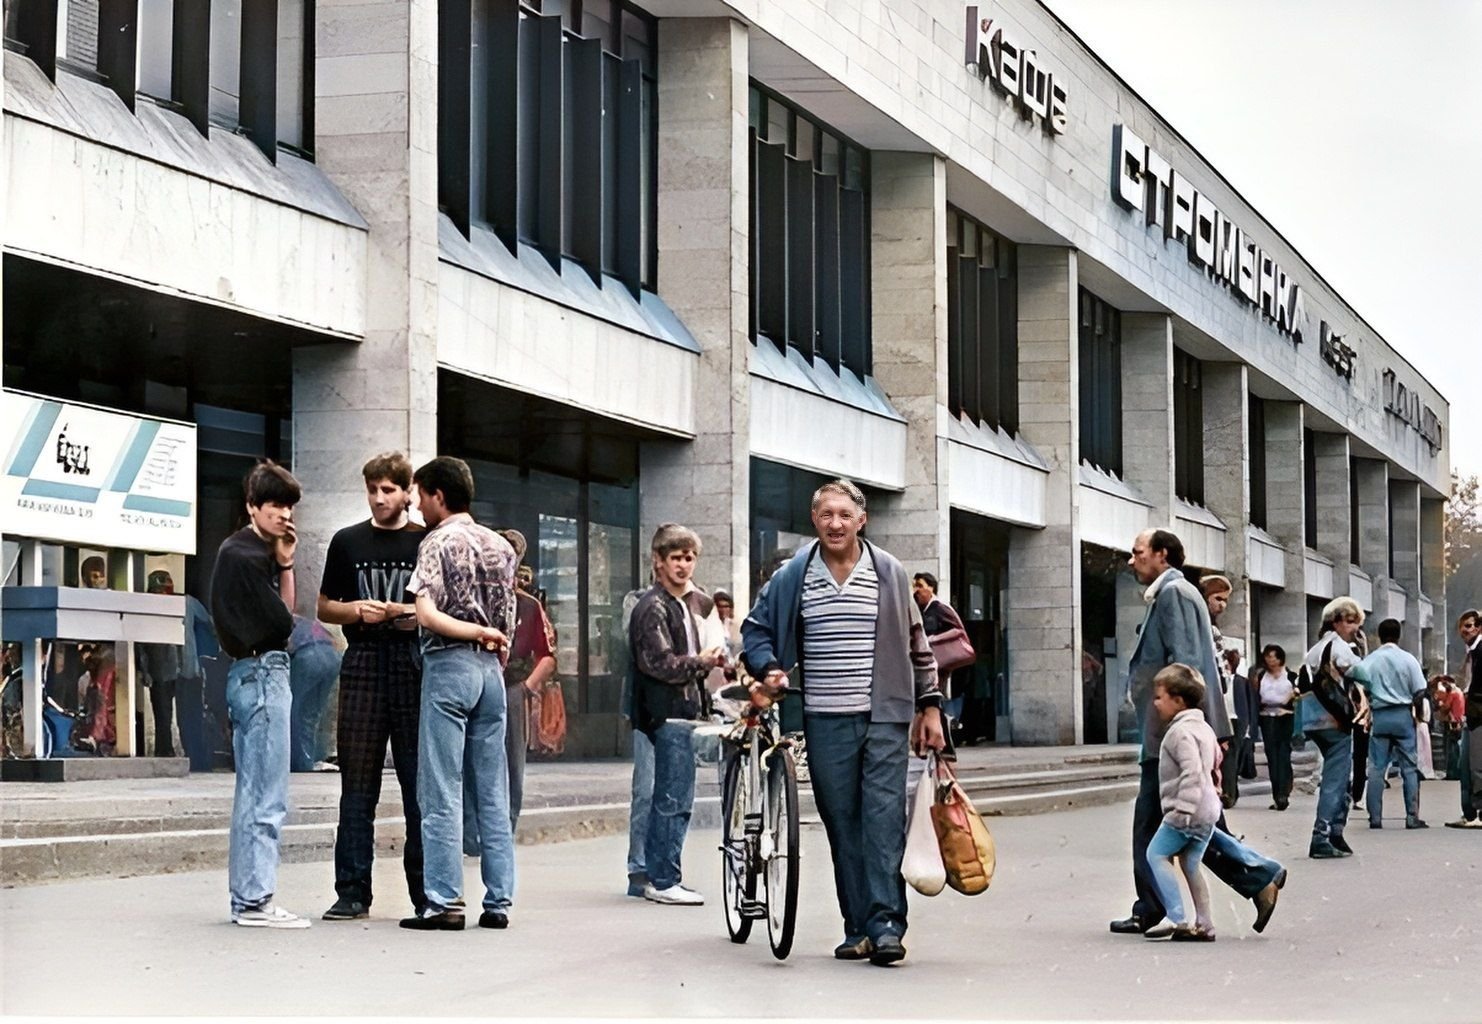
point(1143, 181)
point(1406, 406)
point(993, 52)
point(1336, 352)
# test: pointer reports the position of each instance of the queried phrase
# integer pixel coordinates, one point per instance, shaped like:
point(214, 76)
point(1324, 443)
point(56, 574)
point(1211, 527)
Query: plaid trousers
point(380, 697)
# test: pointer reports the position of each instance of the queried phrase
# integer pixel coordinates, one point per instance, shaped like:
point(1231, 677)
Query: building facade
point(685, 260)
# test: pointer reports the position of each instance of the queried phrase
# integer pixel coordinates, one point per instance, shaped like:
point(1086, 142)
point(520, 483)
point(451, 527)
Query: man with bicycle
point(841, 610)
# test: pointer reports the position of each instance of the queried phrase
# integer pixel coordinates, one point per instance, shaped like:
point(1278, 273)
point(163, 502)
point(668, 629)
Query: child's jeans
point(1188, 846)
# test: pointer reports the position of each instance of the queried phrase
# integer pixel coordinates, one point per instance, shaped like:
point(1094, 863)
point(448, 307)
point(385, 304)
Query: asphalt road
point(1394, 933)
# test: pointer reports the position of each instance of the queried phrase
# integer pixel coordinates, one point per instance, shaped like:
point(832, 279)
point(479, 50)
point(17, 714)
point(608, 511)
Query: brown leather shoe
point(860, 950)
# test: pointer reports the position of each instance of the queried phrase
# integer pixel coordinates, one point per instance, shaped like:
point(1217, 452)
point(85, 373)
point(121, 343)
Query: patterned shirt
point(468, 571)
point(839, 636)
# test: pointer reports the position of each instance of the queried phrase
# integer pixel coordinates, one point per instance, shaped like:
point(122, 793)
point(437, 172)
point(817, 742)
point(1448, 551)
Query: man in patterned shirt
point(465, 593)
point(842, 610)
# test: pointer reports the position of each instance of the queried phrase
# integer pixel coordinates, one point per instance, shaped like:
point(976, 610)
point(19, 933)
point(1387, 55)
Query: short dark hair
point(393, 466)
point(721, 595)
point(1181, 681)
point(1275, 649)
point(1389, 631)
point(268, 483)
point(1167, 541)
point(449, 477)
point(93, 563)
point(1470, 613)
point(928, 579)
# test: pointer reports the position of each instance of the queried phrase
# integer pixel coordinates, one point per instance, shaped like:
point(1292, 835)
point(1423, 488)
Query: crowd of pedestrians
point(443, 648)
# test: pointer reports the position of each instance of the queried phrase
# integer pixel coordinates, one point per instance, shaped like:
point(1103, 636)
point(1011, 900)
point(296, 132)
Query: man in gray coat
point(1176, 629)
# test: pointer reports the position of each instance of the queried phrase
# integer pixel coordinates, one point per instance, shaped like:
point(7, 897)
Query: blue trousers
point(859, 784)
point(1336, 747)
point(313, 670)
point(1393, 733)
point(673, 802)
point(640, 804)
point(258, 702)
point(1188, 845)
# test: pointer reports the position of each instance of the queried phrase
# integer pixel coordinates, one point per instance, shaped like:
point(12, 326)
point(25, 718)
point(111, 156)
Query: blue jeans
point(1188, 845)
point(1393, 733)
point(463, 704)
point(859, 784)
point(673, 802)
point(639, 805)
point(258, 703)
point(1336, 747)
point(313, 670)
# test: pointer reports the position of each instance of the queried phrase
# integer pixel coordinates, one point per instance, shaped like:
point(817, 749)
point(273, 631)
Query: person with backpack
point(1332, 703)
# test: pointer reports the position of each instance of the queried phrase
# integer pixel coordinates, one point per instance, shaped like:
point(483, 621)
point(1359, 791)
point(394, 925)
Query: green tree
point(1463, 522)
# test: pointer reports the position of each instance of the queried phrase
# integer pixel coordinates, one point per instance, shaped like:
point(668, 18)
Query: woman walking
point(1277, 686)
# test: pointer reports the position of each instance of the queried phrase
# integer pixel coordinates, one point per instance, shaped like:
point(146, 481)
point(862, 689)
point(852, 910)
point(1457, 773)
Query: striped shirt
point(839, 636)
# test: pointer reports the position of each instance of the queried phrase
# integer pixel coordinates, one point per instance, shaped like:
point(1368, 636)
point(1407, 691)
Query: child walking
point(1191, 805)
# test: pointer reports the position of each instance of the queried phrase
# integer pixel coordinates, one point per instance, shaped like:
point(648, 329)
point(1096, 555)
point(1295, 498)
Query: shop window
point(547, 134)
point(1188, 427)
point(781, 516)
point(1101, 384)
point(1309, 489)
point(810, 233)
point(982, 324)
point(261, 70)
point(1257, 446)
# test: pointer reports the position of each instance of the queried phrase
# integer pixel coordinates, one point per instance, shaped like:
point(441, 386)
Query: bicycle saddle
point(736, 691)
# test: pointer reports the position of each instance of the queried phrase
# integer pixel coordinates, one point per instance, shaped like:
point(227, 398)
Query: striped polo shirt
point(839, 636)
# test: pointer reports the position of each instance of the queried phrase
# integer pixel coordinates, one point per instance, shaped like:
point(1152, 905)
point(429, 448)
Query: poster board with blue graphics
point(80, 474)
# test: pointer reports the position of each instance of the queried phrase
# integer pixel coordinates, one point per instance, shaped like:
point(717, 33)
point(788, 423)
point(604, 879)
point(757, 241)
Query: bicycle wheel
point(782, 860)
point(738, 884)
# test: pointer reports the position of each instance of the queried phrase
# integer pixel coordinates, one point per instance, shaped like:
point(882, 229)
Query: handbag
point(922, 866)
point(968, 851)
point(952, 649)
point(547, 711)
point(1334, 693)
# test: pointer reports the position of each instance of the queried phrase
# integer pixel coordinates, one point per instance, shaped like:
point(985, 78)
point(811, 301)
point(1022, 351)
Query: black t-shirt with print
point(366, 563)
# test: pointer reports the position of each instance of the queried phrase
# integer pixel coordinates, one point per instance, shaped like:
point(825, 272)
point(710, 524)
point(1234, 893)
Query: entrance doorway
point(980, 562)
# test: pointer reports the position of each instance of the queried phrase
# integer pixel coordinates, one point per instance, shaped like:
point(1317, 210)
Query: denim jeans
point(190, 714)
point(258, 703)
point(639, 805)
point(1393, 732)
point(463, 704)
point(859, 784)
point(673, 802)
point(515, 728)
point(312, 673)
point(1188, 845)
point(1336, 747)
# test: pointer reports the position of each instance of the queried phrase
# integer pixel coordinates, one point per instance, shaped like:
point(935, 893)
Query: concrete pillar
point(1227, 480)
point(1433, 583)
point(1147, 410)
point(1043, 606)
point(908, 252)
point(1373, 516)
point(1334, 513)
point(1404, 500)
point(1284, 614)
point(704, 263)
point(375, 136)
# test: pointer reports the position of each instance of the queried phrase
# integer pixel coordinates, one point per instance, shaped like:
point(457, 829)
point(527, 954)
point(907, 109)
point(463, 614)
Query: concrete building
point(689, 258)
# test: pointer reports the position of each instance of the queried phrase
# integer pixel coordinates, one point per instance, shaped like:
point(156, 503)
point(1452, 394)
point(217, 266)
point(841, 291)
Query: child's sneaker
point(270, 916)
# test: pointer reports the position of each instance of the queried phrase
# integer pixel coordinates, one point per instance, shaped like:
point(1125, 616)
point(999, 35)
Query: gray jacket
point(1176, 628)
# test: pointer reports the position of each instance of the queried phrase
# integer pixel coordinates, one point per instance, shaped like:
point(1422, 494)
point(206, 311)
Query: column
point(1147, 411)
point(704, 262)
point(1404, 502)
point(1043, 606)
point(1284, 614)
point(1373, 515)
point(1227, 481)
point(1334, 512)
point(1433, 584)
point(375, 136)
point(908, 253)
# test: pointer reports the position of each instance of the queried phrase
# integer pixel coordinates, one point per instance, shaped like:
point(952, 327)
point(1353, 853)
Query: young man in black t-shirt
point(251, 594)
point(364, 589)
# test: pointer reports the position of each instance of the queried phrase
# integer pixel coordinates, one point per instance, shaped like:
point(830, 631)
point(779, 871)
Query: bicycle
point(759, 826)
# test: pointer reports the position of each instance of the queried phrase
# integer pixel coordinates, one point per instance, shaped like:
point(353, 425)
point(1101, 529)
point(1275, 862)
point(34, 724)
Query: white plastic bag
point(922, 865)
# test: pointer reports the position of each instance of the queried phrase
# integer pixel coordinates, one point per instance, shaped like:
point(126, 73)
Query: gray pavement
point(1393, 933)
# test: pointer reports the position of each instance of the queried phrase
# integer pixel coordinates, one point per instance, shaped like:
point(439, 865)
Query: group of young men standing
point(443, 596)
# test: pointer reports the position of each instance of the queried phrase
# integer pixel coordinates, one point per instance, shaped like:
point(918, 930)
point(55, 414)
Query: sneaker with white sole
point(676, 895)
point(270, 916)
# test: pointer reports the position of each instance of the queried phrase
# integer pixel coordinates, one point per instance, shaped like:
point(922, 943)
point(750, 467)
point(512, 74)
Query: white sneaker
point(270, 916)
point(676, 895)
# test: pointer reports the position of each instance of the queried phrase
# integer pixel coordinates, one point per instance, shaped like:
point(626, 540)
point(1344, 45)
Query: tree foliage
point(1463, 522)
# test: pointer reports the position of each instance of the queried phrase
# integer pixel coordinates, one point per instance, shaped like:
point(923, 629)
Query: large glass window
point(1188, 427)
point(555, 141)
point(982, 324)
point(1309, 488)
point(1257, 445)
point(810, 232)
point(1101, 383)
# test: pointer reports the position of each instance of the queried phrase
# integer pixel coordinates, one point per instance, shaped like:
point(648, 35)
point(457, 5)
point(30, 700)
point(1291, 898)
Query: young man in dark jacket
point(1469, 628)
point(251, 594)
point(668, 676)
point(842, 611)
